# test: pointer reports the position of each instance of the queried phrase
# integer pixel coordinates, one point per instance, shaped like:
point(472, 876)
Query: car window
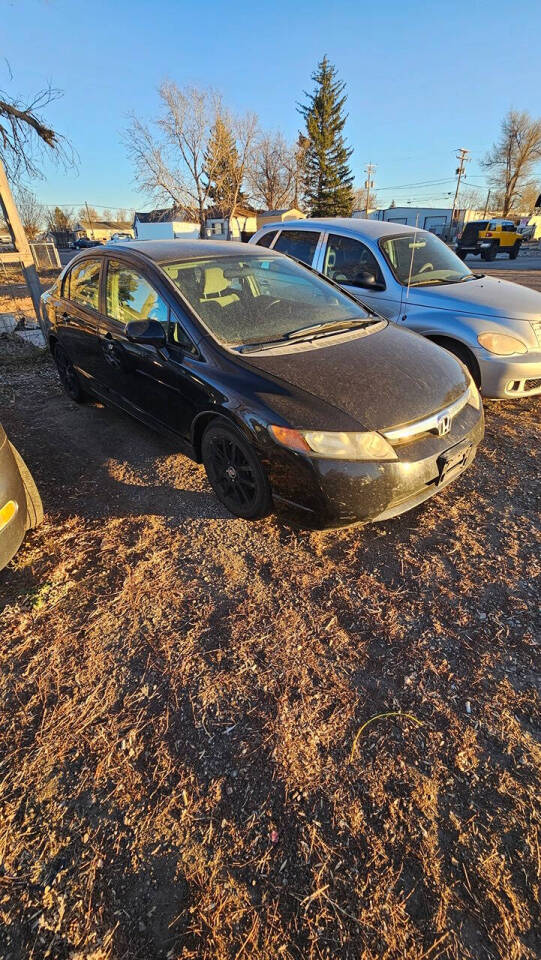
point(420, 259)
point(131, 297)
point(266, 239)
point(350, 261)
point(509, 227)
point(83, 285)
point(178, 335)
point(300, 244)
point(256, 298)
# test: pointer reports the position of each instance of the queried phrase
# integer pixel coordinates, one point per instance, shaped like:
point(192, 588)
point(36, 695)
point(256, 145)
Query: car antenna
point(412, 254)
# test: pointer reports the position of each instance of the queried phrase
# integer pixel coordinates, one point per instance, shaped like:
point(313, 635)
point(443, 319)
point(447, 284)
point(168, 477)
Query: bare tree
point(271, 171)
point(25, 138)
point(31, 212)
point(171, 157)
point(86, 213)
point(512, 158)
point(360, 200)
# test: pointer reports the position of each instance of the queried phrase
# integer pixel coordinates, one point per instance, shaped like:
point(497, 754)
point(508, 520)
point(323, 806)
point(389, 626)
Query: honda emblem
point(444, 424)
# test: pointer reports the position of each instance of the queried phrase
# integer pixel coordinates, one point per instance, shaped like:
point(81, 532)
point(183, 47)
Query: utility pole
point(486, 205)
point(369, 184)
point(462, 157)
point(90, 221)
point(23, 253)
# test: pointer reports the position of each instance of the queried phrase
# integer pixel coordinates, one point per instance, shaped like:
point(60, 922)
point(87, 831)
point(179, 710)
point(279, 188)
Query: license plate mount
point(453, 461)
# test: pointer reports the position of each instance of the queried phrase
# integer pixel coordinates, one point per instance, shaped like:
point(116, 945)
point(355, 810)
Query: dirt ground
point(223, 739)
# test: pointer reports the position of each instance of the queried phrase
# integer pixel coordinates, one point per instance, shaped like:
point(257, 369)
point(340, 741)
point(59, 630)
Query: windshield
point(422, 259)
point(254, 299)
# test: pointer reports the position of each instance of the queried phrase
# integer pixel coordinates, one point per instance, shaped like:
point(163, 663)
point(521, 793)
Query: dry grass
point(181, 691)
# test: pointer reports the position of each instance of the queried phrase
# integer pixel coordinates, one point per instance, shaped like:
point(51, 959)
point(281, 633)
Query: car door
point(159, 385)
point(77, 315)
point(352, 264)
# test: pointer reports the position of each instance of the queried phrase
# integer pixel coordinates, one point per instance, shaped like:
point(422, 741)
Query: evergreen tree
point(328, 181)
point(222, 167)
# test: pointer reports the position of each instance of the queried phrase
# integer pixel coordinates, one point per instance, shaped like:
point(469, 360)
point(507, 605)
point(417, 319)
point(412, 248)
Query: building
point(102, 229)
point(241, 226)
point(167, 224)
point(434, 219)
point(279, 216)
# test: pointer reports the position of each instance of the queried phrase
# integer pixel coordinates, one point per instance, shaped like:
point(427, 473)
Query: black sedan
point(284, 386)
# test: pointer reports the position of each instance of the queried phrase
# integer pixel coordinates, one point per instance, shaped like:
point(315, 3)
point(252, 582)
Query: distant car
point(283, 385)
point(414, 279)
point(20, 503)
point(83, 242)
point(488, 238)
point(121, 238)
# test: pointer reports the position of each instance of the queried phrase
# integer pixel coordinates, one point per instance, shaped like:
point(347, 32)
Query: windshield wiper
point(330, 325)
point(306, 333)
point(251, 346)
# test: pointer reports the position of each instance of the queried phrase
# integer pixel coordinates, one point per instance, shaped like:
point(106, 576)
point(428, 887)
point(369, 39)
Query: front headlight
point(335, 445)
point(501, 344)
point(474, 397)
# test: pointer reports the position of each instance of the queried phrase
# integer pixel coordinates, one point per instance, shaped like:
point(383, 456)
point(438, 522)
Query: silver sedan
point(411, 277)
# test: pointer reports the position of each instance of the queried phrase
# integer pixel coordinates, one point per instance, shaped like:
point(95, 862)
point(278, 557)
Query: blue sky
point(423, 77)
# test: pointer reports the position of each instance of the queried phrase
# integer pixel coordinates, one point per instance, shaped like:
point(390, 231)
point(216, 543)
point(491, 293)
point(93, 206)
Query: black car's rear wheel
point(235, 472)
point(68, 375)
point(461, 253)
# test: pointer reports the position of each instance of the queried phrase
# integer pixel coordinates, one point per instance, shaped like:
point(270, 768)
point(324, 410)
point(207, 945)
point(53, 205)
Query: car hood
point(483, 297)
point(381, 380)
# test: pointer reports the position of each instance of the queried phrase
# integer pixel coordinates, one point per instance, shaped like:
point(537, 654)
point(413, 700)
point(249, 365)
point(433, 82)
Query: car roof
point(164, 251)
point(349, 225)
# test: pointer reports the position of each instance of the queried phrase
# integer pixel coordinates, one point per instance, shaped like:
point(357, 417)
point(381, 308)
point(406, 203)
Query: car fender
point(433, 323)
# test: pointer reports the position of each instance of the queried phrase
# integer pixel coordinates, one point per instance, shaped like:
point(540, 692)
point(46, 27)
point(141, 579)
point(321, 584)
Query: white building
point(241, 226)
point(435, 219)
point(164, 225)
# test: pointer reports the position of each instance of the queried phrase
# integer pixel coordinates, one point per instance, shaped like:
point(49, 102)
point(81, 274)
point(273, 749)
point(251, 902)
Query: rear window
point(266, 239)
point(300, 244)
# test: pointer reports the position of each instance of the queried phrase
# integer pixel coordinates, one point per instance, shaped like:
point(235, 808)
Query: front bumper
point(11, 490)
point(334, 493)
point(503, 377)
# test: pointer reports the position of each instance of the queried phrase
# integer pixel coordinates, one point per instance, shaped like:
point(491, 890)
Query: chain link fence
point(45, 255)
point(16, 311)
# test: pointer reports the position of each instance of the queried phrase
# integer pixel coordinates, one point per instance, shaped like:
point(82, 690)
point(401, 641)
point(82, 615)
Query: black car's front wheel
point(68, 375)
point(235, 472)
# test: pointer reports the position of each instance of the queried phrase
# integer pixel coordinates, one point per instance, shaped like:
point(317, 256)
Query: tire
point(491, 253)
point(461, 253)
point(68, 375)
point(34, 506)
point(513, 253)
point(235, 472)
point(462, 353)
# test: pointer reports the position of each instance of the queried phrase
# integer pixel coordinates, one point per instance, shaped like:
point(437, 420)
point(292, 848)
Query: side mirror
point(149, 333)
point(365, 278)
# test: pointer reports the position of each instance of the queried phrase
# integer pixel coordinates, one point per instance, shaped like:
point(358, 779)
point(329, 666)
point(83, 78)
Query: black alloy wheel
point(235, 473)
point(68, 375)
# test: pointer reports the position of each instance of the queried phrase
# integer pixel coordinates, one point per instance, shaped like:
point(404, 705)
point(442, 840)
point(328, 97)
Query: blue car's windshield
point(420, 259)
point(256, 299)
